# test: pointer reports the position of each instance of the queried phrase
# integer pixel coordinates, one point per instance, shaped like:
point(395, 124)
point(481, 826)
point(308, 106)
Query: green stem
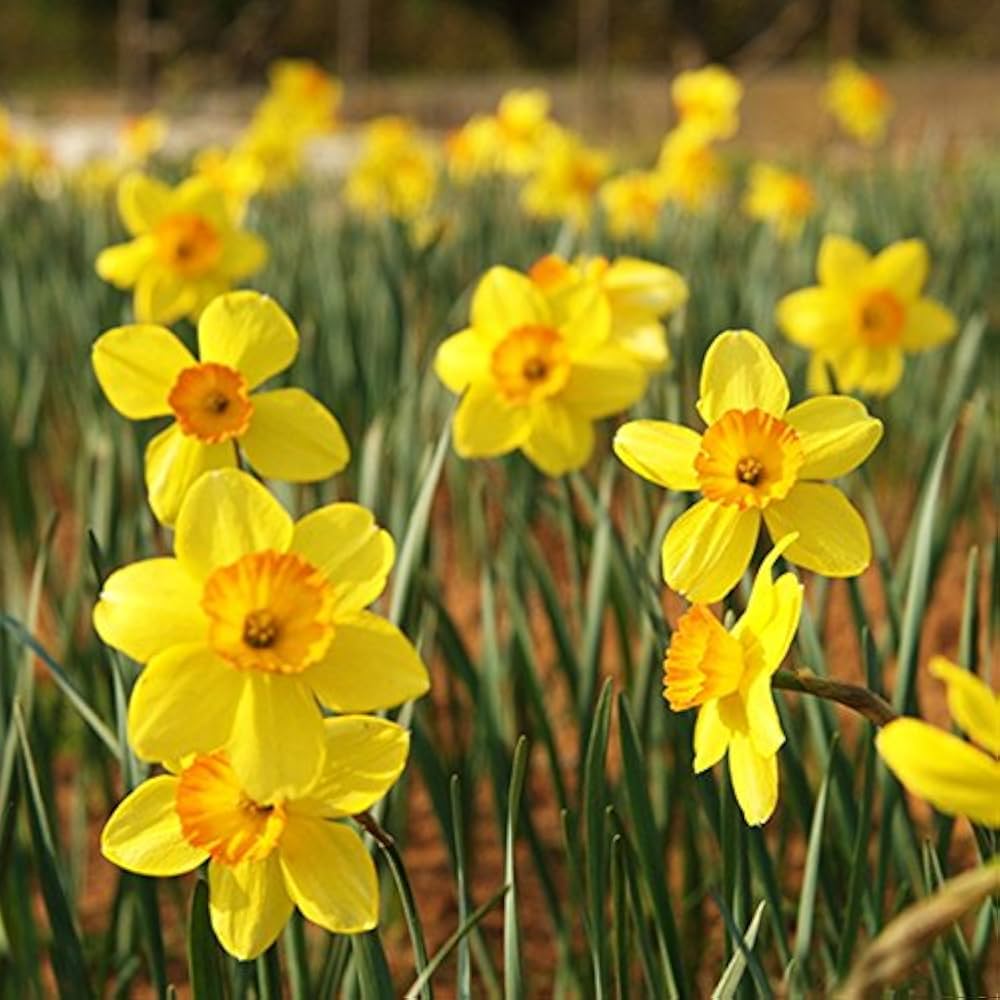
point(855, 697)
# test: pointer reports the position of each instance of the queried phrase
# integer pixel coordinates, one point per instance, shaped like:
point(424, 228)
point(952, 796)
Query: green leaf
point(726, 987)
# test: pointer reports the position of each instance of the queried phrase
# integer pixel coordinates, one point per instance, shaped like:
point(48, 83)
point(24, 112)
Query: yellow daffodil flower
point(305, 93)
point(691, 172)
point(727, 675)
point(244, 338)
point(956, 777)
point(251, 621)
point(237, 175)
point(142, 136)
point(267, 854)
point(709, 99)
point(566, 181)
point(473, 150)
point(535, 371)
point(7, 145)
point(633, 203)
point(639, 293)
point(864, 314)
point(396, 174)
point(186, 248)
point(757, 461)
point(523, 130)
point(779, 197)
point(859, 102)
point(36, 163)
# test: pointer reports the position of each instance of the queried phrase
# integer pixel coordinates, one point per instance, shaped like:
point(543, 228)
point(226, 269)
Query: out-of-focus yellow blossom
point(37, 166)
point(756, 461)
point(639, 293)
point(859, 102)
point(237, 175)
point(396, 173)
point(252, 623)
point(244, 338)
point(142, 136)
point(535, 371)
point(708, 99)
point(692, 172)
point(566, 181)
point(276, 146)
point(186, 248)
point(7, 145)
point(779, 197)
point(633, 203)
point(473, 150)
point(865, 313)
point(524, 130)
point(267, 853)
point(305, 94)
point(727, 674)
point(97, 178)
point(954, 776)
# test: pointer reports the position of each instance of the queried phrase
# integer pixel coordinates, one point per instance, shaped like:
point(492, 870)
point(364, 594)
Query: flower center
point(703, 661)
point(211, 402)
point(217, 816)
point(748, 458)
point(269, 611)
point(188, 244)
point(530, 363)
point(881, 318)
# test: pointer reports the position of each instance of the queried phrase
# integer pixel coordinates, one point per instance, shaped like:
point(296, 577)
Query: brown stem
point(371, 825)
point(860, 699)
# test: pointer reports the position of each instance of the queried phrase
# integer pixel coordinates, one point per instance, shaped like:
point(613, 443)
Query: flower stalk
point(853, 696)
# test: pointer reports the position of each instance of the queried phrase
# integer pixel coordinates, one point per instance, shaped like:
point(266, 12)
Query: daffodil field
point(501, 568)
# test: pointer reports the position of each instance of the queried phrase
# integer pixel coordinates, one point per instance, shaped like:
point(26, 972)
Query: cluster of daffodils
point(260, 653)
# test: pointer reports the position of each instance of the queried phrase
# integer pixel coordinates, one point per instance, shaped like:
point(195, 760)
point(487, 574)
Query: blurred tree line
point(228, 41)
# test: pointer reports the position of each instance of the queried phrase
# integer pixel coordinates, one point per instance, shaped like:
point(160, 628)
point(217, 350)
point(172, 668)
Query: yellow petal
point(148, 606)
point(228, 514)
point(249, 332)
point(707, 550)
point(813, 317)
point(604, 381)
point(842, 263)
point(174, 462)
point(902, 268)
point(485, 425)
point(766, 734)
point(740, 373)
point(659, 451)
point(198, 196)
point(248, 905)
point(364, 757)
point(755, 779)
point(560, 439)
point(583, 314)
point(292, 436)
point(343, 540)
point(833, 539)
point(137, 366)
point(242, 254)
point(928, 324)
point(142, 202)
point(461, 359)
point(836, 434)
point(711, 737)
point(505, 300)
point(144, 834)
point(973, 706)
point(634, 284)
point(370, 665)
point(162, 297)
point(330, 875)
point(184, 702)
point(954, 776)
point(276, 745)
point(122, 264)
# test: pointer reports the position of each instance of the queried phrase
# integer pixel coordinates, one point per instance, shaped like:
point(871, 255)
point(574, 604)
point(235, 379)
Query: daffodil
point(639, 293)
point(523, 130)
point(865, 314)
point(535, 371)
point(237, 175)
point(141, 136)
point(185, 250)
point(566, 181)
point(304, 93)
point(253, 621)
point(779, 197)
point(267, 854)
point(691, 172)
point(7, 145)
point(709, 100)
point(859, 102)
point(244, 338)
point(757, 461)
point(633, 203)
point(473, 150)
point(727, 675)
point(396, 174)
point(956, 777)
